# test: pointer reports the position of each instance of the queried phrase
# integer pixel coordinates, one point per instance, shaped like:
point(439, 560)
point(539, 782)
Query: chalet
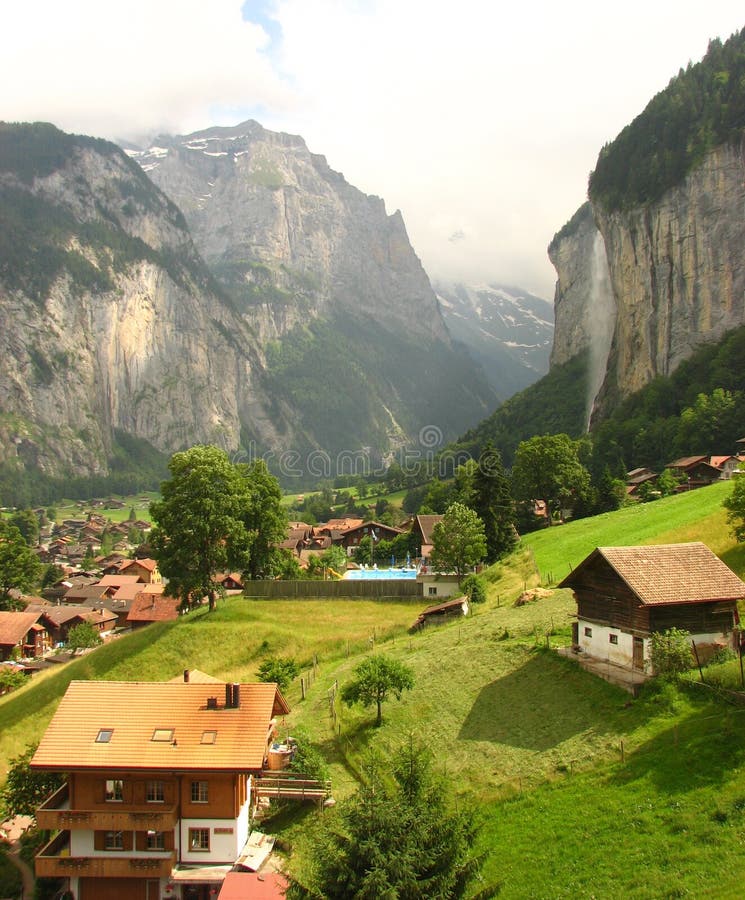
point(727, 465)
point(696, 471)
point(147, 608)
point(160, 783)
point(232, 582)
point(21, 632)
point(58, 620)
point(624, 594)
point(350, 538)
point(422, 533)
point(146, 570)
point(636, 478)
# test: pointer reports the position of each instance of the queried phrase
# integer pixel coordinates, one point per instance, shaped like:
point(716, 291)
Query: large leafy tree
point(19, 566)
point(374, 679)
point(547, 467)
point(265, 518)
point(458, 541)
point(200, 523)
point(492, 501)
point(396, 838)
point(735, 506)
point(26, 788)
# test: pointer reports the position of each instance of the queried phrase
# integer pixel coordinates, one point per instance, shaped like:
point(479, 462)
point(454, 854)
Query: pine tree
point(492, 501)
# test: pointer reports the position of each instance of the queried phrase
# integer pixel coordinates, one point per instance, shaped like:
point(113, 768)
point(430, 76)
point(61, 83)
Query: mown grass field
point(582, 790)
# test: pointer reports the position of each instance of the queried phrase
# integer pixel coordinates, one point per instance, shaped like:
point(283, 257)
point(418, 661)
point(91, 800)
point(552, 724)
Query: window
point(114, 840)
point(199, 792)
point(104, 735)
point(199, 839)
point(209, 737)
point(114, 790)
point(156, 840)
point(163, 734)
point(154, 792)
point(588, 632)
point(613, 638)
point(432, 592)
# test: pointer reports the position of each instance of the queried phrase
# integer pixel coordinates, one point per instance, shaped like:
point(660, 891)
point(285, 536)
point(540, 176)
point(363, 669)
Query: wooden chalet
point(350, 538)
point(160, 784)
point(58, 620)
point(422, 531)
point(22, 632)
point(624, 594)
point(145, 570)
point(696, 470)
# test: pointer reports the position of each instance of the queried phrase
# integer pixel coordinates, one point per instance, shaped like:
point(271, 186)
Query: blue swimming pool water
point(371, 574)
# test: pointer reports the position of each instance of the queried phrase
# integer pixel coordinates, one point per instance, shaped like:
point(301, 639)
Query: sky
point(480, 120)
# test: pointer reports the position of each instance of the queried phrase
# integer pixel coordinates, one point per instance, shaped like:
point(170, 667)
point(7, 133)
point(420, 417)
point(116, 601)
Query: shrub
point(671, 653)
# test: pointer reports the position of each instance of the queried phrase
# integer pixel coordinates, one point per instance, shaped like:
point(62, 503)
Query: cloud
point(478, 117)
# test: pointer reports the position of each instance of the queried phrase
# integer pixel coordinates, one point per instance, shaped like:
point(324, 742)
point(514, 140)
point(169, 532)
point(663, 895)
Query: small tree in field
point(735, 506)
point(374, 679)
point(83, 636)
point(279, 670)
point(671, 652)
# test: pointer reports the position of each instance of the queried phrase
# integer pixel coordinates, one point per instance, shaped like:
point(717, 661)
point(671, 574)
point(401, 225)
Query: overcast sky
point(479, 119)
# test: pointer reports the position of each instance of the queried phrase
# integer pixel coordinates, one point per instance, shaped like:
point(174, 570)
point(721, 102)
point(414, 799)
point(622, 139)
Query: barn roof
point(667, 573)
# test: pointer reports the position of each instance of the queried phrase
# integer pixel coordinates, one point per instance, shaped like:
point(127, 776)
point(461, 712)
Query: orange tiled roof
point(147, 607)
point(669, 573)
point(134, 710)
point(150, 564)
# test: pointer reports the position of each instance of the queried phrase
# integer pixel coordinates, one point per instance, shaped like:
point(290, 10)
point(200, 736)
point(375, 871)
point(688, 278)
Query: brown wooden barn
point(624, 594)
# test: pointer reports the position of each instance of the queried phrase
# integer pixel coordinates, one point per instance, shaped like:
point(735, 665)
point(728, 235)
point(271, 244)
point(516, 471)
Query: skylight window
point(209, 737)
point(163, 734)
point(104, 735)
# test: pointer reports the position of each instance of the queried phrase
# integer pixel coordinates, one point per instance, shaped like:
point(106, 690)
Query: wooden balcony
point(54, 861)
point(55, 814)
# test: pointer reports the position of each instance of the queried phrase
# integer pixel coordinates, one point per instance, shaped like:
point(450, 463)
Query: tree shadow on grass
point(545, 702)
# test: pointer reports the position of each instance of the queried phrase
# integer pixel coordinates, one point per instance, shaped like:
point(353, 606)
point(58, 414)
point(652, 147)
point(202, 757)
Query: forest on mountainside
point(701, 108)
point(699, 409)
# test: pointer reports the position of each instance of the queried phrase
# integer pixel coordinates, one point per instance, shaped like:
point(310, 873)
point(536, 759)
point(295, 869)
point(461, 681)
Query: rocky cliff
point(312, 327)
point(652, 267)
point(677, 275)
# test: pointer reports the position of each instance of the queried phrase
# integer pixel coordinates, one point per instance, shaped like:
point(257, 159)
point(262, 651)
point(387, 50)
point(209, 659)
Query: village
point(124, 822)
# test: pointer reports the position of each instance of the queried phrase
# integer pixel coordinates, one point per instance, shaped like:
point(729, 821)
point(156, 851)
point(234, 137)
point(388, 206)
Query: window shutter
point(127, 840)
point(99, 840)
point(169, 841)
point(141, 840)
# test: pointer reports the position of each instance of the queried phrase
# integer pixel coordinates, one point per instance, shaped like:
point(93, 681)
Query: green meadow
point(582, 791)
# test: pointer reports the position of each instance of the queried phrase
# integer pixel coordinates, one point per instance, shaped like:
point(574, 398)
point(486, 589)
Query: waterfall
point(601, 313)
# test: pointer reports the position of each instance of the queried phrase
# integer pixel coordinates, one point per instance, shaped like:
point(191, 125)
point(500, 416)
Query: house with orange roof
point(147, 608)
point(146, 570)
point(625, 594)
point(22, 632)
point(159, 785)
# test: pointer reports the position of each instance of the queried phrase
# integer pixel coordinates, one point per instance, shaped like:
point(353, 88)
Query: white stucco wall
point(223, 847)
point(81, 844)
point(444, 585)
point(621, 654)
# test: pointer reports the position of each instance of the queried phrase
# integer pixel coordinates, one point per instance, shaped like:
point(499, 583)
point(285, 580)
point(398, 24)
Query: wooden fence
point(369, 589)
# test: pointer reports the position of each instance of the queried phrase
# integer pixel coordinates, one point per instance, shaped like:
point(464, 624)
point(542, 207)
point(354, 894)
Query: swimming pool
point(372, 574)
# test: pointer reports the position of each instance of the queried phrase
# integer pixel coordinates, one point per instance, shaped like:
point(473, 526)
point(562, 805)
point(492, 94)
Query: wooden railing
point(54, 861)
point(290, 787)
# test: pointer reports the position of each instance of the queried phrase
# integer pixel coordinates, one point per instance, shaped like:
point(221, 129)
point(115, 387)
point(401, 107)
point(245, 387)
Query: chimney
point(228, 696)
point(186, 676)
point(236, 696)
point(211, 702)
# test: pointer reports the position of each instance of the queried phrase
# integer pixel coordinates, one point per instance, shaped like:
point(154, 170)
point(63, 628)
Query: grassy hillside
point(583, 791)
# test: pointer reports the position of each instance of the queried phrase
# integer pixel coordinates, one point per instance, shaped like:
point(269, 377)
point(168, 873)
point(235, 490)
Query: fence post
point(302, 686)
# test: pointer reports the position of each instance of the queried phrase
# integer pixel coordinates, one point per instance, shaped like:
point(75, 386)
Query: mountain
point(293, 319)
point(652, 267)
point(508, 331)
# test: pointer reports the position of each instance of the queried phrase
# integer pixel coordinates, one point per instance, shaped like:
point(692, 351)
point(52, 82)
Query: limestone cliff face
point(677, 273)
point(117, 332)
point(312, 327)
point(272, 219)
